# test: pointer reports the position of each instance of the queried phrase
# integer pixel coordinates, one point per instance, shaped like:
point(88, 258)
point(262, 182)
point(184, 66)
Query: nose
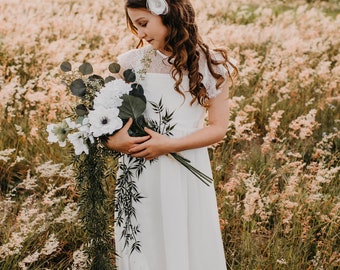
point(141, 33)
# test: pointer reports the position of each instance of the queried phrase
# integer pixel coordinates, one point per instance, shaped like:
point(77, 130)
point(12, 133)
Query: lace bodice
point(146, 60)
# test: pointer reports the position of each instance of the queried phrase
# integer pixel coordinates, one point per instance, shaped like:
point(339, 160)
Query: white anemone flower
point(109, 96)
point(104, 121)
point(78, 141)
point(58, 132)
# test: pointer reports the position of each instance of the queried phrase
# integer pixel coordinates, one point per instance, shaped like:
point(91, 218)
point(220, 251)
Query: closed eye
point(144, 24)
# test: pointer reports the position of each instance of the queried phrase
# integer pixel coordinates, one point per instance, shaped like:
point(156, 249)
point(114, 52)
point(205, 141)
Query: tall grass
point(276, 172)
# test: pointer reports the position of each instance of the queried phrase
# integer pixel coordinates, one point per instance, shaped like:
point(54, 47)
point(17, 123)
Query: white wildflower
point(274, 123)
point(79, 143)
point(29, 183)
point(29, 259)
point(69, 214)
point(19, 130)
point(304, 125)
point(48, 169)
point(5, 153)
point(79, 259)
point(252, 197)
point(51, 245)
point(281, 261)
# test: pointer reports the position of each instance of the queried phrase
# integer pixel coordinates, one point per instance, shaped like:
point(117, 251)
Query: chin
point(155, 46)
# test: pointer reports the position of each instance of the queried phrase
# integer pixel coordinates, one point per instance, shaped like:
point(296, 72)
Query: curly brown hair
point(184, 43)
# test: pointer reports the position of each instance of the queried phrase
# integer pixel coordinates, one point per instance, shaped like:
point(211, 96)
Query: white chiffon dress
point(178, 216)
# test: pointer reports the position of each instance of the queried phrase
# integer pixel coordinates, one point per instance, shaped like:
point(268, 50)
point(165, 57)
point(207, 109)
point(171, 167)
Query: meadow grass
point(276, 172)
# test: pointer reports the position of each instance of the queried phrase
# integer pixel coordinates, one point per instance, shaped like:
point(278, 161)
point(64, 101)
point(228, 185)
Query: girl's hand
point(122, 141)
point(156, 146)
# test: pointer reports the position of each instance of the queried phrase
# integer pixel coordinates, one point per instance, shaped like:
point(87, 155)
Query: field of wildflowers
point(277, 171)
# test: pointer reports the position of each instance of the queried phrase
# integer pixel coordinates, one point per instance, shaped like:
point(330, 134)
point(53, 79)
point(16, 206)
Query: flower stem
point(186, 163)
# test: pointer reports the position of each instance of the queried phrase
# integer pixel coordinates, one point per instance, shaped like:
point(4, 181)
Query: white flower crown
point(157, 7)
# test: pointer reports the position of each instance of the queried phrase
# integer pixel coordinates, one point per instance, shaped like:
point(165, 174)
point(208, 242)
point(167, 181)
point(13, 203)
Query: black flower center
point(105, 121)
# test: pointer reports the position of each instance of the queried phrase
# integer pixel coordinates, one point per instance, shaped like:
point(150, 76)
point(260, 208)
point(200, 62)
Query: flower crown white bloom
point(157, 7)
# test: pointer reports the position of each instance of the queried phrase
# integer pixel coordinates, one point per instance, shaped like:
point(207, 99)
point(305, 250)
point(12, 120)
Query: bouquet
point(104, 106)
point(105, 109)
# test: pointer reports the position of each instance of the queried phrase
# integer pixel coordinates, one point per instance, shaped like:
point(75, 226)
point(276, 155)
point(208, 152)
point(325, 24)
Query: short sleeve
point(208, 80)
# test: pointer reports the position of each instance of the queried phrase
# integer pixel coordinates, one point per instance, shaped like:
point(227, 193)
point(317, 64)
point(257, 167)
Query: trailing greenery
point(95, 206)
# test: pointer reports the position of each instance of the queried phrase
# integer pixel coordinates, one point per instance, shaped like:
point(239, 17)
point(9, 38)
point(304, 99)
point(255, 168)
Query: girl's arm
point(218, 118)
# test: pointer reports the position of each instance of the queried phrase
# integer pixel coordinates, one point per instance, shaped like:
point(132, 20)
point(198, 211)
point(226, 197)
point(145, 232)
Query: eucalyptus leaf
point(109, 79)
point(66, 66)
point(81, 110)
point(129, 75)
point(78, 87)
point(86, 69)
point(132, 107)
point(98, 79)
point(114, 67)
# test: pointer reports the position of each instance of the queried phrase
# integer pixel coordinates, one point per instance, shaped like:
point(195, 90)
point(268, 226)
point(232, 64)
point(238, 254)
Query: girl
point(177, 216)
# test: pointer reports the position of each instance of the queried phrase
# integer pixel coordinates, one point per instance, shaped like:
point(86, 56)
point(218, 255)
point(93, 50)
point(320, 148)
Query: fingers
point(138, 140)
point(144, 154)
point(139, 147)
point(128, 124)
point(154, 146)
point(123, 142)
point(150, 131)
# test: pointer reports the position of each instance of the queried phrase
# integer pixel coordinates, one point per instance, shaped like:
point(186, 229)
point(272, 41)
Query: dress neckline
point(162, 54)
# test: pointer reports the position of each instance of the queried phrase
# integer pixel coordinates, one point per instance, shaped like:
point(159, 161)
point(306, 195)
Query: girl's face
point(149, 27)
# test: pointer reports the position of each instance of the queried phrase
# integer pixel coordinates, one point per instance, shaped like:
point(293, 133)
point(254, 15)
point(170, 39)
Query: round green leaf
point(98, 79)
point(86, 69)
point(66, 66)
point(81, 110)
point(109, 79)
point(129, 75)
point(78, 87)
point(114, 67)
